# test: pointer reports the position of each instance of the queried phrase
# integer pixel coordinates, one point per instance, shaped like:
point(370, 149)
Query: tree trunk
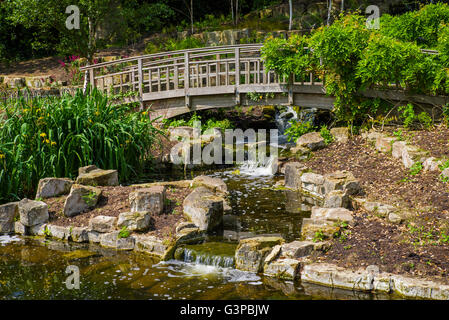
point(236, 11)
point(232, 12)
point(329, 9)
point(191, 15)
point(290, 4)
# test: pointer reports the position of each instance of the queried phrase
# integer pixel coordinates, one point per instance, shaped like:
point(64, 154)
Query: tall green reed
point(54, 136)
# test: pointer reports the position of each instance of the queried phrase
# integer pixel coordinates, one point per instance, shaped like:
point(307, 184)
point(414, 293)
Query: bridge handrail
point(167, 53)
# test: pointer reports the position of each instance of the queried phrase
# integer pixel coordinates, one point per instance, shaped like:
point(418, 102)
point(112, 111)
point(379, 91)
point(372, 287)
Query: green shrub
point(297, 129)
point(326, 134)
point(53, 137)
point(407, 113)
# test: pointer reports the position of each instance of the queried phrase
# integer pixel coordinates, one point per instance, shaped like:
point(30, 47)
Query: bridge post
point(140, 75)
point(187, 79)
point(237, 75)
point(290, 90)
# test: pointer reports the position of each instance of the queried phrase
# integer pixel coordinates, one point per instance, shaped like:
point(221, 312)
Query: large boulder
point(151, 245)
point(53, 187)
point(313, 183)
point(251, 253)
point(340, 134)
point(293, 173)
point(204, 208)
point(342, 180)
point(312, 140)
point(8, 213)
point(148, 199)
point(113, 240)
point(297, 249)
point(286, 269)
point(33, 212)
point(336, 199)
point(432, 164)
point(98, 177)
point(81, 199)
point(214, 184)
point(134, 221)
point(311, 228)
point(102, 224)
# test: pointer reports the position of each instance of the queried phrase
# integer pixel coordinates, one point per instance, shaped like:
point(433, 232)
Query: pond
point(35, 268)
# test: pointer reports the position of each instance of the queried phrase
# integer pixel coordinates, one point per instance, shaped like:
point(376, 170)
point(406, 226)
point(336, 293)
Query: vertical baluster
point(150, 80)
point(187, 79)
point(140, 76)
point(175, 74)
point(207, 75)
point(168, 77)
point(217, 71)
point(158, 79)
point(237, 75)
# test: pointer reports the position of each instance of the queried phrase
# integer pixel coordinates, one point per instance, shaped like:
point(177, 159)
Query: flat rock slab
point(336, 199)
point(33, 212)
point(214, 184)
point(311, 227)
point(251, 252)
point(285, 269)
point(384, 143)
point(204, 208)
point(134, 221)
point(103, 224)
point(81, 199)
point(53, 187)
point(332, 214)
point(312, 140)
point(151, 245)
point(151, 200)
point(98, 177)
point(112, 240)
point(342, 180)
point(8, 213)
point(297, 249)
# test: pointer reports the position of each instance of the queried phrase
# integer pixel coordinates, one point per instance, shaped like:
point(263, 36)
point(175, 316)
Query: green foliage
point(297, 129)
point(416, 168)
point(319, 236)
point(288, 57)
point(123, 233)
point(422, 26)
point(407, 113)
point(355, 58)
point(326, 134)
point(205, 126)
point(53, 137)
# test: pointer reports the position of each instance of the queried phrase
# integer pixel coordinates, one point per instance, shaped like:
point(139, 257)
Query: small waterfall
point(266, 167)
point(208, 259)
point(217, 254)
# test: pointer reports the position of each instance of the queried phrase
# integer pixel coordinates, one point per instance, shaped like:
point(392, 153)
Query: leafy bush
point(209, 124)
point(297, 129)
point(407, 113)
point(172, 44)
point(326, 134)
point(287, 56)
point(422, 26)
point(52, 137)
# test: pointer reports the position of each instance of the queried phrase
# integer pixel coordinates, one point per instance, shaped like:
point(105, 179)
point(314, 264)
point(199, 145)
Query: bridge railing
point(201, 71)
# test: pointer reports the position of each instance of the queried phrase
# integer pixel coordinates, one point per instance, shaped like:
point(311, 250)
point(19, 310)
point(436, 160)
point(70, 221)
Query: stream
point(36, 268)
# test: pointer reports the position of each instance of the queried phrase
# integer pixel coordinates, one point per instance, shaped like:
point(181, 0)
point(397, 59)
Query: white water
point(181, 269)
point(267, 167)
point(8, 239)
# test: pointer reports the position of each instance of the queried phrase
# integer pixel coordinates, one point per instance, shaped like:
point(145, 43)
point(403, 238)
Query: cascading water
point(265, 167)
point(285, 118)
point(217, 254)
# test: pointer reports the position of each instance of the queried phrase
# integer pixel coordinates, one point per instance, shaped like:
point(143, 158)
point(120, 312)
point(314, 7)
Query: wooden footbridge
point(182, 81)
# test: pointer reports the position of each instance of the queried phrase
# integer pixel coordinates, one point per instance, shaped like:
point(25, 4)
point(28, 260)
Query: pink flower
point(62, 63)
point(95, 61)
